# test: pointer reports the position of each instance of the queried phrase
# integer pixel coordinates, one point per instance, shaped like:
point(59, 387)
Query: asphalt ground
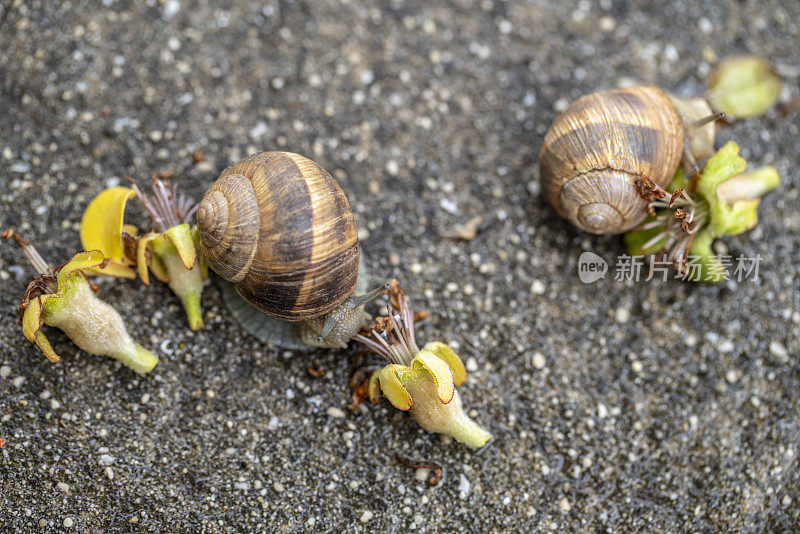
point(616, 406)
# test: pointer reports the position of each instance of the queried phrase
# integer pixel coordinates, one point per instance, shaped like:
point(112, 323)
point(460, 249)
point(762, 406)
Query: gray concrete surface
point(616, 406)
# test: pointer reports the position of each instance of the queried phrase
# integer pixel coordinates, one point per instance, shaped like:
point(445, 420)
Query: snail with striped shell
point(602, 143)
point(278, 227)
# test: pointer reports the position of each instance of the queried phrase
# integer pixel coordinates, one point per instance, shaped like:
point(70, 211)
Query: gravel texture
point(616, 406)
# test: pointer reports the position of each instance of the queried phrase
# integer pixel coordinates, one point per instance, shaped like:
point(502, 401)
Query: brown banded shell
point(595, 150)
point(278, 226)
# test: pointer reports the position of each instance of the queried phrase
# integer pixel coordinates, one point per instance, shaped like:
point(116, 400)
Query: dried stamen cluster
point(678, 226)
point(167, 208)
point(393, 336)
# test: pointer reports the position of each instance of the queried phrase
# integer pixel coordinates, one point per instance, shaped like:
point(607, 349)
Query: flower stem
point(137, 358)
point(191, 303)
point(35, 259)
point(468, 432)
point(186, 284)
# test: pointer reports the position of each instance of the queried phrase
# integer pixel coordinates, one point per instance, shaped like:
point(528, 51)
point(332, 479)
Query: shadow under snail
point(278, 227)
point(597, 149)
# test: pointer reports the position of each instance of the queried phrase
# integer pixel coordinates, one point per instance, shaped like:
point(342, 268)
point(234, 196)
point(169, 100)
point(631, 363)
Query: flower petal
point(32, 324)
point(744, 86)
point(374, 387)
point(181, 237)
point(101, 225)
point(447, 354)
point(727, 219)
point(392, 386)
point(113, 268)
point(440, 372)
point(81, 261)
point(130, 229)
point(196, 240)
point(32, 317)
point(141, 256)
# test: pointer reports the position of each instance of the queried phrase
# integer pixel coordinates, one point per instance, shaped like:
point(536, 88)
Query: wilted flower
point(420, 381)
point(62, 297)
point(170, 251)
point(721, 200)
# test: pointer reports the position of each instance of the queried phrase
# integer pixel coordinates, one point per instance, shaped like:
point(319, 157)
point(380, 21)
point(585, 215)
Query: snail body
point(279, 228)
point(596, 149)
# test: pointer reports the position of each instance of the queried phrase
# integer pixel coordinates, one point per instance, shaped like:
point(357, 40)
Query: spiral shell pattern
point(595, 150)
point(278, 226)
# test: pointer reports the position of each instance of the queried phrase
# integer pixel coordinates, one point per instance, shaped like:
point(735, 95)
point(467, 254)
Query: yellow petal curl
point(391, 378)
point(102, 226)
point(181, 237)
point(447, 354)
point(440, 372)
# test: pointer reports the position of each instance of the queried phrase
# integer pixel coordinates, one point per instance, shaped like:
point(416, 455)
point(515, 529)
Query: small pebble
point(109, 473)
point(564, 505)
point(636, 366)
point(145, 398)
point(338, 413)
point(278, 487)
point(607, 24)
point(106, 459)
point(561, 104)
point(602, 411)
point(62, 487)
point(777, 350)
point(54, 404)
point(622, 315)
point(5, 371)
point(68, 522)
point(732, 376)
point(725, 345)
point(367, 516)
point(472, 364)
point(464, 486)
point(421, 474)
point(538, 287)
point(18, 381)
point(155, 136)
point(539, 360)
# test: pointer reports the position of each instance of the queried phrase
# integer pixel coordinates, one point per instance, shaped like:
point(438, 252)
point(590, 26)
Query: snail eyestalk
point(420, 381)
point(336, 328)
point(64, 298)
point(714, 117)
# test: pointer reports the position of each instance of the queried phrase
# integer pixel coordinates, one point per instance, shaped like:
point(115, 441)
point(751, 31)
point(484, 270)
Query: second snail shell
point(595, 150)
